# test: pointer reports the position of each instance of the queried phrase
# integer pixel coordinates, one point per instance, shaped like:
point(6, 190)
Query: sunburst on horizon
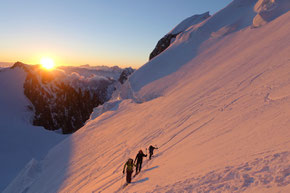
point(47, 63)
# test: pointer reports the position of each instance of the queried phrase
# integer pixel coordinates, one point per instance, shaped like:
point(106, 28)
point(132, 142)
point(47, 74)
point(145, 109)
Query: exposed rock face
point(162, 45)
point(125, 74)
point(62, 104)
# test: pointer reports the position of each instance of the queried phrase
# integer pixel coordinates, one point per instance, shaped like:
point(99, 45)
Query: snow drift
point(267, 10)
point(216, 102)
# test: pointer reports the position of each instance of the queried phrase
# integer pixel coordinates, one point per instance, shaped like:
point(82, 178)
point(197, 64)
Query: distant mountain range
point(5, 64)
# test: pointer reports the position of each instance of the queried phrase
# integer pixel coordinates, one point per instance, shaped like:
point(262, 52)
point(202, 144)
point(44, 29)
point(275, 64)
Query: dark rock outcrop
point(125, 74)
point(162, 45)
point(62, 104)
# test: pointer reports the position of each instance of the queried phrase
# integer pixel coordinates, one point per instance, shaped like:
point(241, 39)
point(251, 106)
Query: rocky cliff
point(62, 101)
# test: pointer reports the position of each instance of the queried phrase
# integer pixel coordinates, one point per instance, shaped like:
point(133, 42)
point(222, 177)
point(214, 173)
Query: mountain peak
point(20, 65)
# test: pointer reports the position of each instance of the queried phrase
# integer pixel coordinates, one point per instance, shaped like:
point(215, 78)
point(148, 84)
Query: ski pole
point(122, 179)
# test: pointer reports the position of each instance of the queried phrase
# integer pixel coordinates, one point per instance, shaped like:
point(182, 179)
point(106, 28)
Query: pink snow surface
point(216, 103)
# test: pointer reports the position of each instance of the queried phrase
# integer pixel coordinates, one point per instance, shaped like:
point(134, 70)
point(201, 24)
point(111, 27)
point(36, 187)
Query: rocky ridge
point(65, 102)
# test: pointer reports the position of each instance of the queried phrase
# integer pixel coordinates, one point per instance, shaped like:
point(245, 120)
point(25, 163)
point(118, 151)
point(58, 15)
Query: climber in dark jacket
point(139, 160)
point(151, 149)
point(130, 168)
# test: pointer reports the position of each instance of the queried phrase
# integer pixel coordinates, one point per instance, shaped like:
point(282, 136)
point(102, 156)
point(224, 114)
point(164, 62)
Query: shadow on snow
point(149, 169)
point(140, 181)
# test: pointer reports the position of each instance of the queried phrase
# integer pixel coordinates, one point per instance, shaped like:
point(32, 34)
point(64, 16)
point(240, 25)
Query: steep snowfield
point(216, 103)
point(19, 140)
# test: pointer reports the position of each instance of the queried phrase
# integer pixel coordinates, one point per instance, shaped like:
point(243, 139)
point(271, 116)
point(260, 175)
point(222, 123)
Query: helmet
point(130, 160)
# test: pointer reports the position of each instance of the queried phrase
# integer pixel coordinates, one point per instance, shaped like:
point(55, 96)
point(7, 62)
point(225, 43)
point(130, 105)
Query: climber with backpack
point(130, 168)
point(151, 149)
point(138, 161)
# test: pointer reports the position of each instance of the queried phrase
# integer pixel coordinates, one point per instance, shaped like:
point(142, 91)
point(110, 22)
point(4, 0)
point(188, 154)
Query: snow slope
point(19, 140)
point(216, 102)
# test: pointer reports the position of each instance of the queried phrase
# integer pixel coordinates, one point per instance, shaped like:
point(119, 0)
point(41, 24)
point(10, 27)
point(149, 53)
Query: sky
point(95, 32)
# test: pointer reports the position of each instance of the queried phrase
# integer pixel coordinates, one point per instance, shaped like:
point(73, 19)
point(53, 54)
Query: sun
point(47, 63)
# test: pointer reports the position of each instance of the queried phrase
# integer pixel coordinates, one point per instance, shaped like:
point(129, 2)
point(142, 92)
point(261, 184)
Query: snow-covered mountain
point(61, 100)
point(216, 103)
